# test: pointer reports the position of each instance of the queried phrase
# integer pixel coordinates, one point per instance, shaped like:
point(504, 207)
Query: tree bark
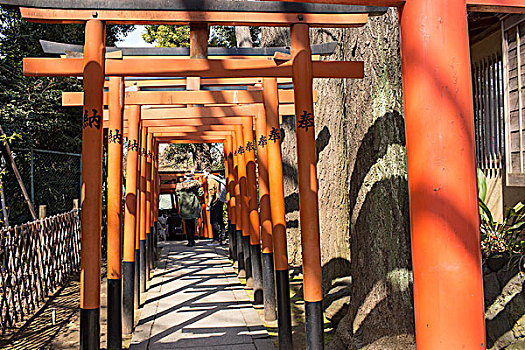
point(243, 37)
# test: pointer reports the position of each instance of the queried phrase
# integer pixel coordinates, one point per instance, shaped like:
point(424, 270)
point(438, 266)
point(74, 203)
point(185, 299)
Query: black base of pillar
point(128, 288)
point(155, 247)
point(270, 313)
point(314, 325)
point(255, 253)
point(151, 250)
point(284, 316)
point(148, 255)
point(240, 255)
point(247, 261)
point(136, 281)
point(143, 264)
point(230, 241)
point(89, 329)
point(233, 240)
point(114, 314)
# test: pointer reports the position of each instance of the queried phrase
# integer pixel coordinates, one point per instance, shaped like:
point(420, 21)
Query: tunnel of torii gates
point(448, 294)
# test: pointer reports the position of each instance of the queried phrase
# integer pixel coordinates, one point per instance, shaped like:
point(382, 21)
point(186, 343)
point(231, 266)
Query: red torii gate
point(443, 199)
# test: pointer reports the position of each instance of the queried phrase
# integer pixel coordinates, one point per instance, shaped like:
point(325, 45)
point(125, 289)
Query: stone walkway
point(195, 300)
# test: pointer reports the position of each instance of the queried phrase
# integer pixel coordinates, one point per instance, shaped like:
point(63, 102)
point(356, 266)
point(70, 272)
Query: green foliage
point(506, 236)
point(32, 106)
point(167, 36)
point(482, 185)
point(179, 36)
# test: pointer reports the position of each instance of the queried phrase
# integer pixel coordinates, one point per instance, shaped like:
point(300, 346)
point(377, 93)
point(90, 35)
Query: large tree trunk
point(243, 37)
point(363, 195)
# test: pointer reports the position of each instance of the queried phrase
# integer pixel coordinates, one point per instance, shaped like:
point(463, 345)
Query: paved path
point(195, 301)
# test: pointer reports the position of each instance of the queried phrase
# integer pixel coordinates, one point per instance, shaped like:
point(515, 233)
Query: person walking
point(217, 197)
point(189, 194)
point(162, 224)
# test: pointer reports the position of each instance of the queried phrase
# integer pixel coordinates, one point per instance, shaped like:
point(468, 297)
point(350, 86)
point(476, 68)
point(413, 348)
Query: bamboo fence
point(36, 259)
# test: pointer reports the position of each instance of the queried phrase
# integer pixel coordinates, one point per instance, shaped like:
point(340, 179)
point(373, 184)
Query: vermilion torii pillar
point(280, 253)
point(228, 175)
point(114, 213)
point(91, 217)
point(143, 217)
point(441, 160)
point(147, 174)
point(265, 218)
point(307, 176)
point(136, 292)
point(128, 264)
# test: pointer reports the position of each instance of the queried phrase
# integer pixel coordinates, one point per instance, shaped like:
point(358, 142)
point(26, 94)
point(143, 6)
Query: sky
point(134, 39)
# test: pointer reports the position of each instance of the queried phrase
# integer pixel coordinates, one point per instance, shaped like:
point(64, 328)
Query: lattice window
point(488, 112)
point(514, 79)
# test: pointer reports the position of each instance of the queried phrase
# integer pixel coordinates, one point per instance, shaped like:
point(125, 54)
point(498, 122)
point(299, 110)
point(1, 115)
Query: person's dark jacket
point(189, 195)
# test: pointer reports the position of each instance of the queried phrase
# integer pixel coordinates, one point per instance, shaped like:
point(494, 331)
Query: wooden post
point(245, 218)
point(114, 212)
point(143, 216)
point(91, 215)
point(265, 218)
point(42, 211)
point(128, 264)
point(307, 176)
point(138, 222)
point(155, 209)
point(276, 189)
point(226, 146)
point(149, 151)
point(230, 184)
point(253, 211)
point(442, 183)
point(238, 203)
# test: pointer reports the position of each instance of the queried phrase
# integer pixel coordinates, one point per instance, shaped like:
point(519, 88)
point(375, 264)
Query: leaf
point(482, 185)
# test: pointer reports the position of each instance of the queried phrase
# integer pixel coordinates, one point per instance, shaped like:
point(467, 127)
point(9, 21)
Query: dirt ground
point(57, 324)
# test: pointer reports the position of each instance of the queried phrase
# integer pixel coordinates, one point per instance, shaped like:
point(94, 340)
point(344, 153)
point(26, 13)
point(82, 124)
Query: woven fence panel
point(36, 259)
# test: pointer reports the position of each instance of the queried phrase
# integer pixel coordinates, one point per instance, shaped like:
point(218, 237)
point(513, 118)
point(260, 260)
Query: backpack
point(222, 187)
point(188, 193)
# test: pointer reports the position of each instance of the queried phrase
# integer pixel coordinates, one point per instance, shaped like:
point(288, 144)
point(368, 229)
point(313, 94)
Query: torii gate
point(436, 78)
point(189, 122)
point(209, 97)
point(74, 99)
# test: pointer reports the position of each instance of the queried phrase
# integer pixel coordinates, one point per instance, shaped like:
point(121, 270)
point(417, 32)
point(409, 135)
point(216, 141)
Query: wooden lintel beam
point(181, 133)
point(194, 122)
point(502, 6)
point(203, 6)
point(184, 97)
point(222, 18)
point(156, 83)
point(158, 67)
point(192, 129)
point(188, 139)
point(199, 112)
point(381, 3)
